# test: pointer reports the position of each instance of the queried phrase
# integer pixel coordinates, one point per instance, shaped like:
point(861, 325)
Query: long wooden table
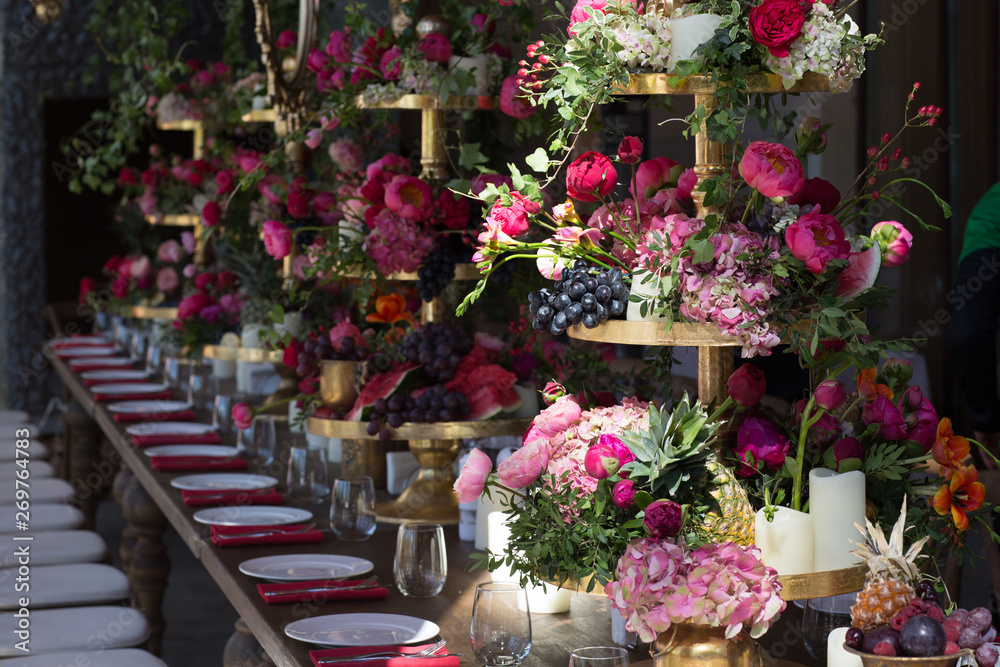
point(149, 503)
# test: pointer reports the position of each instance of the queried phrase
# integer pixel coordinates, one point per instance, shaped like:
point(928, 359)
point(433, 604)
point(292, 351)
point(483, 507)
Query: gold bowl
point(339, 382)
point(872, 660)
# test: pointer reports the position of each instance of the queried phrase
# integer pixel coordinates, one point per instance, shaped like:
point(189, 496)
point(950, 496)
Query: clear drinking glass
point(421, 563)
point(203, 386)
point(139, 344)
point(154, 359)
point(352, 509)
point(820, 616)
point(308, 478)
point(176, 372)
point(222, 414)
point(599, 656)
point(258, 444)
point(501, 625)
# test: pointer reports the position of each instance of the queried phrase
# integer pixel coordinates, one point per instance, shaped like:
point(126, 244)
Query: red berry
point(911, 97)
point(905, 162)
point(932, 122)
point(523, 63)
point(872, 151)
point(876, 195)
point(922, 111)
point(886, 138)
point(871, 181)
point(952, 629)
point(916, 85)
point(951, 648)
point(522, 72)
point(540, 43)
point(884, 648)
point(544, 59)
point(898, 153)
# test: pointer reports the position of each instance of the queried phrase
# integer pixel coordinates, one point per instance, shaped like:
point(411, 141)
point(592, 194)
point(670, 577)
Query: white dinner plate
point(109, 361)
point(223, 481)
point(362, 630)
point(252, 515)
point(138, 388)
point(112, 375)
point(147, 407)
point(191, 450)
point(305, 567)
point(82, 340)
point(85, 351)
point(169, 428)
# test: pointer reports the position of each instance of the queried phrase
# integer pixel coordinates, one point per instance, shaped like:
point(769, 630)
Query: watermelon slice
point(490, 390)
point(402, 380)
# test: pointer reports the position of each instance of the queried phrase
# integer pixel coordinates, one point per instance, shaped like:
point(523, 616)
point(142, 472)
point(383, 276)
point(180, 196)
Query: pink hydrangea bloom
point(397, 244)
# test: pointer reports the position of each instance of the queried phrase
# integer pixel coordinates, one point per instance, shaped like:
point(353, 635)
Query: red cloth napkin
point(69, 353)
point(272, 592)
point(82, 343)
point(449, 661)
point(98, 365)
point(109, 398)
point(187, 463)
point(215, 497)
point(283, 535)
point(91, 383)
point(210, 438)
point(180, 416)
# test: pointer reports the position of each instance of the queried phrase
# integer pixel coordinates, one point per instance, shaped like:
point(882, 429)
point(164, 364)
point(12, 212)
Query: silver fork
point(370, 582)
point(423, 653)
point(267, 531)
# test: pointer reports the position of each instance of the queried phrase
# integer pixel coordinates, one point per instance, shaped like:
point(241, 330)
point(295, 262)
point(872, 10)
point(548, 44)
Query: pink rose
point(817, 192)
point(556, 418)
point(317, 60)
point(860, 274)
point(211, 213)
point(409, 197)
point(630, 150)
point(167, 280)
point(890, 422)
point(277, 239)
point(747, 385)
point(141, 268)
point(760, 439)
point(192, 305)
point(391, 64)
point(662, 519)
point(776, 24)
point(339, 46)
point(242, 416)
point(654, 175)
point(591, 177)
point(816, 239)
point(525, 465)
point(895, 241)
point(623, 495)
point(170, 251)
point(830, 394)
point(513, 101)
point(772, 169)
point(300, 203)
point(470, 483)
point(287, 39)
point(514, 219)
point(436, 48)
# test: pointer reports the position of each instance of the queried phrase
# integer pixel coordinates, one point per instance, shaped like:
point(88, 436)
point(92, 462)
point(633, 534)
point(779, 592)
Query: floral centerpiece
point(141, 280)
point(209, 94)
point(211, 309)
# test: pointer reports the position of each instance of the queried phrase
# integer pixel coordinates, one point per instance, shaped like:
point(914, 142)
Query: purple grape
point(986, 655)
point(854, 638)
point(394, 419)
point(922, 636)
point(384, 434)
point(979, 618)
point(372, 428)
point(960, 615)
point(989, 635)
point(881, 634)
point(381, 405)
point(970, 638)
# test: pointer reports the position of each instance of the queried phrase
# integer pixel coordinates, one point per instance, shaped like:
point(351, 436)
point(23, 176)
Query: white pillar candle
point(223, 368)
point(836, 655)
point(542, 599)
point(483, 508)
point(529, 401)
point(687, 34)
point(786, 544)
point(836, 503)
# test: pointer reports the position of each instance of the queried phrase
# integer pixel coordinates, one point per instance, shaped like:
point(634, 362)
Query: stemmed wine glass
point(501, 625)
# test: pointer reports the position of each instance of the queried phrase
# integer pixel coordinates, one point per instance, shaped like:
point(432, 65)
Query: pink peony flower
point(287, 39)
point(170, 251)
point(772, 170)
point(817, 192)
point(453, 210)
point(347, 155)
point(759, 438)
point(339, 46)
point(591, 177)
point(317, 60)
point(277, 239)
point(391, 64)
point(231, 304)
point(654, 175)
point(890, 422)
point(396, 244)
point(167, 280)
point(776, 24)
point(895, 241)
point(242, 416)
point(601, 461)
point(345, 329)
point(662, 519)
point(747, 385)
point(630, 150)
point(470, 483)
point(525, 465)
point(513, 101)
point(556, 418)
point(623, 495)
point(225, 181)
point(300, 203)
point(409, 197)
point(211, 213)
point(141, 268)
point(686, 183)
point(816, 239)
point(190, 306)
point(436, 48)
point(830, 394)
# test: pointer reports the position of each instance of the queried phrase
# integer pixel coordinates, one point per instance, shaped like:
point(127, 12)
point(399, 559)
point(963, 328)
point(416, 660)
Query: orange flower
point(868, 389)
point(962, 494)
point(390, 309)
point(949, 449)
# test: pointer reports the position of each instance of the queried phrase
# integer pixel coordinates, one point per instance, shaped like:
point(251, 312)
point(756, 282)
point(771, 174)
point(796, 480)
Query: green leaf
point(539, 160)
point(515, 176)
point(470, 156)
point(643, 499)
point(704, 251)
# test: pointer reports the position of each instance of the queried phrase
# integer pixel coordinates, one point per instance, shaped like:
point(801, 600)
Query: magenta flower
point(242, 416)
point(655, 175)
point(747, 385)
point(623, 495)
point(339, 46)
point(470, 483)
point(167, 280)
point(300, 203)
point(513, 101)
point(601, 461)
point(391, 64)
point(663, 518)
point(830, 394)
point(890, 422)
point(759, 438)
point(409, 197)
point(817, 192)
point(630, 150)
point(895, 241)
point(344, 329)
point(277, 239)
point(556, 418)
point(287, 39)
point(170, 251)
point(317, 60)
point(514, 219)
point(482, 23)
point(591, 177)
point(436, 48)
point(816, 239)
point(772, 170)
point(848, 448)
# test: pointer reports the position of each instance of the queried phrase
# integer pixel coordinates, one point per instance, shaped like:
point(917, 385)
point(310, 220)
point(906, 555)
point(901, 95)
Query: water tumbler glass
point(308, 479)
point(421, 564)
point(352, 509)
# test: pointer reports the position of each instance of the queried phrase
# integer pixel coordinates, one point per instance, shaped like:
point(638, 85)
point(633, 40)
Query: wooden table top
point(553, 635)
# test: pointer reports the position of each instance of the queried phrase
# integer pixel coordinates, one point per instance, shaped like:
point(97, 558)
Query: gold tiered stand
point(151, 312)
point(197, 130)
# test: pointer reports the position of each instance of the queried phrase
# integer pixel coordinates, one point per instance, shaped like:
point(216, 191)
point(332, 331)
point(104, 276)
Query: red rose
point(453, 210)
point(776, 24)
point(591, 177)
point(747, 385)
point(630, 150)
point(513, 219)
point(211, 214)
point(191, 306)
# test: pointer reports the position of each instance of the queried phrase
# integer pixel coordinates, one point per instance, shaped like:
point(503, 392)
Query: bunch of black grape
point(439, 347)
point(315, 350)
point(583, 295)
point(436, 272)
point(436, 404)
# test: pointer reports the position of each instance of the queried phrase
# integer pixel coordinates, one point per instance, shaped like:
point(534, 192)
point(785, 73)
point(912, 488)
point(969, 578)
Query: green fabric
point(983, 228)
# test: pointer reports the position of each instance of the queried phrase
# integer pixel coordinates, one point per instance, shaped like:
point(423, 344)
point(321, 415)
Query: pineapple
point(676, 461)
point(891, 575)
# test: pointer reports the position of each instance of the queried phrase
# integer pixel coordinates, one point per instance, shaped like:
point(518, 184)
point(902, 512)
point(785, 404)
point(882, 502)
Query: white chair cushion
point(55, 548)
point(73, 629)
point(8, 449)
point(44, 490)
point(64, 586)
point(14, 417)
point(42, 517)
point(36, 468)
point(121, 657)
